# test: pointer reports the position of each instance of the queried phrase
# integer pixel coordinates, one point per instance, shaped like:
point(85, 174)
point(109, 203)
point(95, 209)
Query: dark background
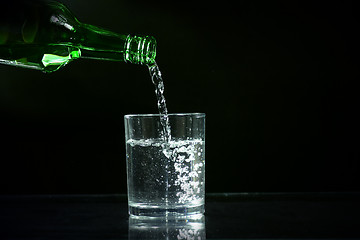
point(276, 80)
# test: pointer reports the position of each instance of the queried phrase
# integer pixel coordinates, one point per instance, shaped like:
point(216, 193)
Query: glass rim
point(197, 115)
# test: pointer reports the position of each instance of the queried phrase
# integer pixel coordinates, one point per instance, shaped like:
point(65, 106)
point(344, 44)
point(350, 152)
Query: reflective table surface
point(228, 216)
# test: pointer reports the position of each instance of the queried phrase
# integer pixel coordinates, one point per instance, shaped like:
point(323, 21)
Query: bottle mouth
point(140, 50)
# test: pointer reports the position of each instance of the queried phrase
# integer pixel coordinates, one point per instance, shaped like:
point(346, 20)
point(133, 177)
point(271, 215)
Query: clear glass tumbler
point(165, 177)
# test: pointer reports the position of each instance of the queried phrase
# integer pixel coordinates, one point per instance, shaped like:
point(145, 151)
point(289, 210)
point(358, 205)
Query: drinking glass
point(165, 175)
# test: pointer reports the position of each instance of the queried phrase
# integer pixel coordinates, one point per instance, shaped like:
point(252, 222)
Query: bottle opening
point(140, 50)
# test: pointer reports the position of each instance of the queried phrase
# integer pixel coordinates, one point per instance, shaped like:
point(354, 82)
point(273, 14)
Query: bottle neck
point(97, 43)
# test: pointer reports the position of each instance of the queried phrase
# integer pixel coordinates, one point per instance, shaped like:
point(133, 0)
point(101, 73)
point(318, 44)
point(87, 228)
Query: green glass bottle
point(45, 35)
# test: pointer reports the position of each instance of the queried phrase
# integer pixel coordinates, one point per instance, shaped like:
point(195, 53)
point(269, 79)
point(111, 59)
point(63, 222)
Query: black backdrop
point(276, 80)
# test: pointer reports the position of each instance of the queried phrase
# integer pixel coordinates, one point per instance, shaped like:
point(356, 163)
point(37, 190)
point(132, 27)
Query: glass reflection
point(165, 228)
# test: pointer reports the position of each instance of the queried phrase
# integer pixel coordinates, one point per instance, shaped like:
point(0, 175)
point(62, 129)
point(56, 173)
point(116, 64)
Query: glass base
point(175, 212)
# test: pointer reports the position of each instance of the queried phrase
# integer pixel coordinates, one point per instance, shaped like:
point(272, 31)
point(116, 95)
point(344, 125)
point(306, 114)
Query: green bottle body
point(45, 35)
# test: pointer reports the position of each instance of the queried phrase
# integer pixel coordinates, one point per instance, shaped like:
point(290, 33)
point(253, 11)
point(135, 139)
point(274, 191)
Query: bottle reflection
point(177, 229)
